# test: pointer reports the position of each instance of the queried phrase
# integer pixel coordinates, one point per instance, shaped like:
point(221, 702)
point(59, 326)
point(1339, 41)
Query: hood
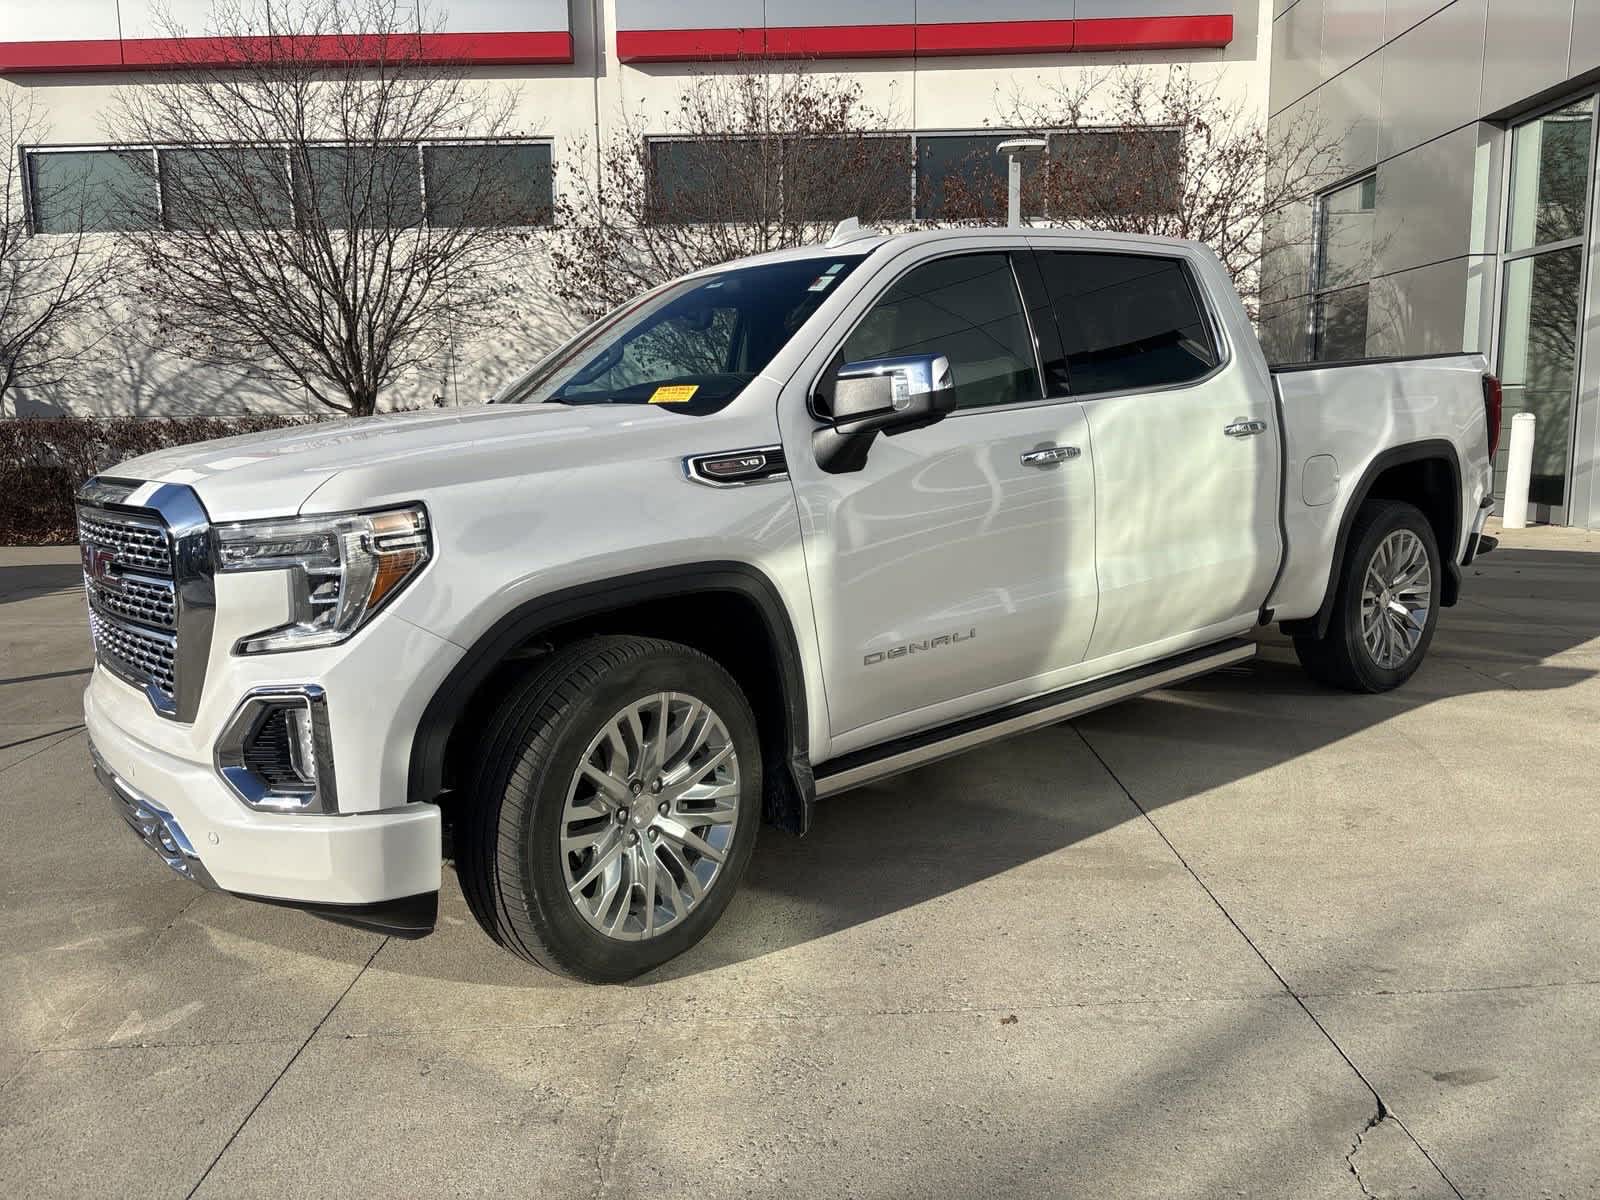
point(273, 473)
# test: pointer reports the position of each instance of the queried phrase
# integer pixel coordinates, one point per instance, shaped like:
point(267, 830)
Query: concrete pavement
point(1178, 948)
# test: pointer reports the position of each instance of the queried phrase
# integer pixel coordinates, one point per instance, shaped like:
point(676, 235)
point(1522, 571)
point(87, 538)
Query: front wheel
point(613, 808)
point(1386, 603)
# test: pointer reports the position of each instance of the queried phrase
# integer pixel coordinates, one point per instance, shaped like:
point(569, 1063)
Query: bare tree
point(749, 160)
point(316, 223)
point(52, 282)
point(1166, 153)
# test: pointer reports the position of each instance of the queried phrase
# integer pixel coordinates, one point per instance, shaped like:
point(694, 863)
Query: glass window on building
point(93, 191)
point(1113, 172)
point(1541, 285)
point(847, 175)
point(360, 186)
point(710, 180)
point(489, 184)
point(225, 187)
point(1342, 270)
point(962, 176)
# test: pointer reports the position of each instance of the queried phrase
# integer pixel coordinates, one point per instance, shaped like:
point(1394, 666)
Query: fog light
point(276, 752)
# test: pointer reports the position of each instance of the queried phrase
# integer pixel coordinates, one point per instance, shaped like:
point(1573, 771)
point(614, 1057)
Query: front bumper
point(377, 869)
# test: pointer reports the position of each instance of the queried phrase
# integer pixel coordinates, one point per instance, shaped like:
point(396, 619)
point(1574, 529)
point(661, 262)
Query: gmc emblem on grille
point(98, 564)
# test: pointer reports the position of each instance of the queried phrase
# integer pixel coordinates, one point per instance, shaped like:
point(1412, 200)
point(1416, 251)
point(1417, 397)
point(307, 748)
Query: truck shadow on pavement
point(927, 834)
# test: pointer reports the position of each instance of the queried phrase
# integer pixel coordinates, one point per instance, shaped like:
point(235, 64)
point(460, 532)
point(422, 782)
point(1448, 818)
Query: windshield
point(693, 344)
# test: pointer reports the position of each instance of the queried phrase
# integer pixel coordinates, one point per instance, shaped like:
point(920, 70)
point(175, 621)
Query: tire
point(529, 830)
point(1346, 657)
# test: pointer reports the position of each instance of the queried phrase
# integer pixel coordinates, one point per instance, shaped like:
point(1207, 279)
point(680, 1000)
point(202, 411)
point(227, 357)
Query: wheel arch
point(1426, 474)
point(718, 607)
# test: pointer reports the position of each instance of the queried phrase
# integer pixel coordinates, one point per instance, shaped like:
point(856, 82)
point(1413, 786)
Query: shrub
point(43, 460)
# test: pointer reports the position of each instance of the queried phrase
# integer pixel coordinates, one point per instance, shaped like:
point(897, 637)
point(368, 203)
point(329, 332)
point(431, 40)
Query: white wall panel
point(498, 16)
point(58, 20)
point(1432, 77)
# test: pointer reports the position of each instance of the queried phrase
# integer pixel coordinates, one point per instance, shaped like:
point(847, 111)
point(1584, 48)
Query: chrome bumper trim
point(152, 824)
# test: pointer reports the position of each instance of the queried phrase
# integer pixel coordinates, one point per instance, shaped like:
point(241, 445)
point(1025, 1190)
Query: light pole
point(1015, 150)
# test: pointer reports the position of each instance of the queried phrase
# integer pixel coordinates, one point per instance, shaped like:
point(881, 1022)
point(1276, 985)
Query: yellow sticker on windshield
point(677, 393)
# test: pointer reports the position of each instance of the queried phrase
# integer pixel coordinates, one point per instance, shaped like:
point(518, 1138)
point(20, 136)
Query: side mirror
point(880, 395)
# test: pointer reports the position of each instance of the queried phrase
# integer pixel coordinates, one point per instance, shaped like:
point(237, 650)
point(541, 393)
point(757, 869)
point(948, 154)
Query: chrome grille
point(147, 576)
point(147, 601)
point(133, 541)
point(141, 656)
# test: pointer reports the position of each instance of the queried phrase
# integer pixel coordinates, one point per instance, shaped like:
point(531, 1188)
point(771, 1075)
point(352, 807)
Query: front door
point(1186, 451)
point(958, 564)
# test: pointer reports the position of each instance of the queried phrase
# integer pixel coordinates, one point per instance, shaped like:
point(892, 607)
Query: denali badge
point(934, 643)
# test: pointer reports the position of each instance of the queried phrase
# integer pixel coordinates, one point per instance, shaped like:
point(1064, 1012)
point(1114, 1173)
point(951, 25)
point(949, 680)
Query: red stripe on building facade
point(145, 54)
point(931, 40)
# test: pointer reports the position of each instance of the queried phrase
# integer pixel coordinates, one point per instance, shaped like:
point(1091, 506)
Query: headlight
point(344, 568)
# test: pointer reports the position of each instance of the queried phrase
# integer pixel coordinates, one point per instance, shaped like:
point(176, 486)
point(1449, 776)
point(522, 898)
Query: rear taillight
point(1491, 411)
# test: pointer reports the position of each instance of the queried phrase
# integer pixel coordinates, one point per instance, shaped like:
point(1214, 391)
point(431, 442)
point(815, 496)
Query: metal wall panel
point(944, 12)
point(1351, 30)
point(1432, 78)
point(1419, 312)
point(1098, 10)
point(1424, 210)
point(166, 18)
point(691, 14)
point(59, 20)
point(500, 16)
point(793, 13)
point(1296, 54)
point(1585, 55)
point(1403, 14)
point(1348, 106)
point(1526, 49)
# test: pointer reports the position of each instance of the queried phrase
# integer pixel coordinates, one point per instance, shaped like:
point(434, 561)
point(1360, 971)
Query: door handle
point(1047, 456)
point(1243, 428)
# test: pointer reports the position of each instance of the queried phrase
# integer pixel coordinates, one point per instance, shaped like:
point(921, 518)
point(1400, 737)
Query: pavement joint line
point(17, 1074)
point(1384, 1112)
point(113, 1047)
point(136, 963)
point(839, 1014)
point(276, 1079)
point(607, 1149)
point(1378, 994)
point(37, 737)
point(47, 675)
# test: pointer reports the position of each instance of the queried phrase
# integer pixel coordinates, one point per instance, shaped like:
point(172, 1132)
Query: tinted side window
point(1127, 320)
point(965, 308)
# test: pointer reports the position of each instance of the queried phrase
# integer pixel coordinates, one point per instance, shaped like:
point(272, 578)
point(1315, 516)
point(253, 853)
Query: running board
point(920, 749)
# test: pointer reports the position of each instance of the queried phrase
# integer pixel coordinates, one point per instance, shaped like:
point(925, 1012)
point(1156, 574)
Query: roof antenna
point(851, 230)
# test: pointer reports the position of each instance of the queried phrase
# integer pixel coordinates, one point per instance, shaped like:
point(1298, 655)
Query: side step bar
point(919, 749)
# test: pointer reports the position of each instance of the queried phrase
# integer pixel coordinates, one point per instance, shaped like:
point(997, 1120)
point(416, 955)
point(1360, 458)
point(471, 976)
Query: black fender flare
point(1395, 456)
point(791, 793)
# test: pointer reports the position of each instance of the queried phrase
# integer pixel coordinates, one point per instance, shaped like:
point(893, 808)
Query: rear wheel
point(1386, 603)
point(613, 808)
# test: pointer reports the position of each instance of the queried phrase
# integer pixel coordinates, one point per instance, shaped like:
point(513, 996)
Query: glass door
point(1541, 290)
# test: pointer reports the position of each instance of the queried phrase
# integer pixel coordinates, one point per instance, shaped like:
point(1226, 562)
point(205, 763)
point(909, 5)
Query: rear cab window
point(1127, 322)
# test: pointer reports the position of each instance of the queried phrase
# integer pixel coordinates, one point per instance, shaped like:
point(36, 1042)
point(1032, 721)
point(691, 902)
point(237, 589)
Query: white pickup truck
point(772, 531)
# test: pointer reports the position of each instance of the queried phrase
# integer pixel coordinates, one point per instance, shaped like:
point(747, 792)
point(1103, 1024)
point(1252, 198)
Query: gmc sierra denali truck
point(772, 531)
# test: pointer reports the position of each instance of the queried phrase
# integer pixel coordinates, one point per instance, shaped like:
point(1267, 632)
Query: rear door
point(958, 563)
point(1186, 449)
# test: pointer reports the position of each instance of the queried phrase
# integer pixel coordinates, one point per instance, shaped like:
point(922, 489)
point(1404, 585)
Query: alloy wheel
point(650, 816)
point(1396, 596)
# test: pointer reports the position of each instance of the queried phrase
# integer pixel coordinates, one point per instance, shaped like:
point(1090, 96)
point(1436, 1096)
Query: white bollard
point(1518, 470)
